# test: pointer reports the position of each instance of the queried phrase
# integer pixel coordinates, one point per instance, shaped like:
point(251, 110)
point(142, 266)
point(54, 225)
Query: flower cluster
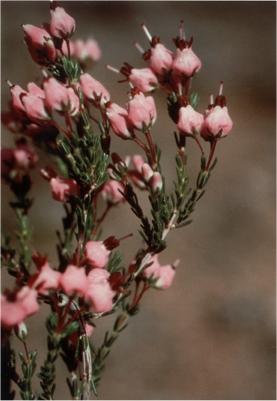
point(72, 118)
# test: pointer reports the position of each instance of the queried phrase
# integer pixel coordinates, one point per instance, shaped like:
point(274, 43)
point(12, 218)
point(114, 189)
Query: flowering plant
point(72, 118)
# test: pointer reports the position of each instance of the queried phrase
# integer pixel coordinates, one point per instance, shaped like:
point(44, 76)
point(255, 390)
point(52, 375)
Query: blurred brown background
point(212, 335)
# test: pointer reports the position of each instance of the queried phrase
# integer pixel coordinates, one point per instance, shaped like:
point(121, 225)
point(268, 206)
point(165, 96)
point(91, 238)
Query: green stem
point(104, 350)
point(48, 370)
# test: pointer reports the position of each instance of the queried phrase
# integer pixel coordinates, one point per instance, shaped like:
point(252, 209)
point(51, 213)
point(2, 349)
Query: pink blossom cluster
point(95, 287)
point(172, 71)
point(17, 161)
point(73, 117)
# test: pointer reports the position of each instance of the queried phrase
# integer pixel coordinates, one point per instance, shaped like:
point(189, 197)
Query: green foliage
point(47, 373)
point(28, 367)
point(115, 262)
point(66, 69)
point(84, 158)
point(186, 210)
point(110, 337)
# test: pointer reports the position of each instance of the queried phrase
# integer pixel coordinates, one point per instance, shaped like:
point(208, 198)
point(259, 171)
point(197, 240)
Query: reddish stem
point(102, 217)
point(140, 144)
point(152, 149)
point(212, 150)
point(68, 48)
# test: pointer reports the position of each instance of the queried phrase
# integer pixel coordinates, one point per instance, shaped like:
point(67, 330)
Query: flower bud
point(63, 188)
point(62, 25)
point(60, 98)
point(92, 88)
point(189, 120)
point(34, 89)
point(46, 279)
point(99, 291)
point(185, 62)
point(97, 254)
point(142, 111)
point(21, 331)
point(110, 192)
point(143, 78)
point(56, 96)
point(34, 108)
point(86, 50)
point(146, 172)
point(17, 93)
point(117, 117)
point(160, 60)
point(163, 275)
point(73, 102)
point(74, 279)
point(40, 44)
point(156, 182)
point(217, 123)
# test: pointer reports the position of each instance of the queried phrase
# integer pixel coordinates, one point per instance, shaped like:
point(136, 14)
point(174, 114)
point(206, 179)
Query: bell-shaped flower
point(160, 60)
point(189, 120)
point(92, 88)
point(62, 25)
point(143, 78)
point(99, 291)
point(163, 275)
point(141, 111)
point(74, 280)
point(217, 123)
point(35, 108)
point(40, 44)
point(97, 254)
point(185, 63)
point(118, 119)
point(63, 188)
point(111, 192)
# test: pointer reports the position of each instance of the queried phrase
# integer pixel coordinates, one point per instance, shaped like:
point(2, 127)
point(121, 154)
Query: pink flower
point(34, 108)
point(63, 188)
point(138, 162)
point(14, 160)
point(97, 254)
point(146, 172)
point(73, 102)
point(40, 44)
point(110, 192)
point(189, 120)
point(117, 118)
point(156, 182)
point(74, 279)
point(143, 78)
point(12, 313)
point(163, 275)
point(99, 291)
point(46, 279)
point(25, 158)
point(185, 62)
point(34, 89)
point(62, 25)
point(58, 97)
point(27, 297)
point(160, 60)
point(86, 50)
point(24, 305)
point(92, 88)
point(142, 111)
point(89, 329)
point(217, 123)
point(17, 92)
